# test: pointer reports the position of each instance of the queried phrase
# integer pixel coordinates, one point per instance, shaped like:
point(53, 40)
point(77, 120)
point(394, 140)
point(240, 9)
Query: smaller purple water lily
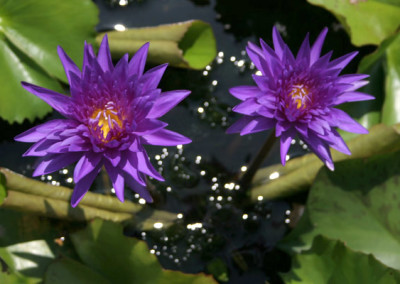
point(298, 96)
point(111, 113)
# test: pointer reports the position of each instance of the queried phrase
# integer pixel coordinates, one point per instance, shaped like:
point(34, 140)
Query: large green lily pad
point(189, 44)
point(105, 250)
point(359, 204)
point(367, 22)
point(333, 262)
point(27, 246)
point(30, 32)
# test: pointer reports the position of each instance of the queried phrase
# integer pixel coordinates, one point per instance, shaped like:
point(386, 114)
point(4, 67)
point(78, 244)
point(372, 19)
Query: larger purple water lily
point(298, 96)
point(111, 113)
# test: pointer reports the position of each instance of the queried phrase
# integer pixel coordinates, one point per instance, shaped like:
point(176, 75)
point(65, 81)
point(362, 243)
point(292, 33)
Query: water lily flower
point(298, 96)
point(112, 112)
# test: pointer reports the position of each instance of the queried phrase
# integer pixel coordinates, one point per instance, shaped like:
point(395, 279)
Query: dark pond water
point(215, 221)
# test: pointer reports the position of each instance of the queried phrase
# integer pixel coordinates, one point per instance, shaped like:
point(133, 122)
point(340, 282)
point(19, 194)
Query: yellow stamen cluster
point(299, 94)
point(107, 119)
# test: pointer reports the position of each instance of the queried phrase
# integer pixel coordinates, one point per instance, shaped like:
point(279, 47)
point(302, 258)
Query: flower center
point(299, 94)
point(107, 119)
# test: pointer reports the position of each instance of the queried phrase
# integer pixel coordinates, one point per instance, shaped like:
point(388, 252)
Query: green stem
point(94, 204)
point(59, 209)
point(259, 158)
point(21, 183)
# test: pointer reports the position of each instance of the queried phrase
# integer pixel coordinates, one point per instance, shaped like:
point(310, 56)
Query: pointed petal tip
point(187, 141)
point(149, 199)
point(330, 165)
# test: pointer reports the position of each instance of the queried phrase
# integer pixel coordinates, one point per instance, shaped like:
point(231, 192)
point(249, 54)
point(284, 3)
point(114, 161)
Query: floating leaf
point(104, 249)
point(299, 173)
point(333, 262)
point(188, 44)
point(16, 104)
point(3, 192)
point(37, 27)
point(30, 32)
point(391, 106)
point(367, 22)
point(27, 245)
point(66, 271)
point(217, 267)
point(358, 204)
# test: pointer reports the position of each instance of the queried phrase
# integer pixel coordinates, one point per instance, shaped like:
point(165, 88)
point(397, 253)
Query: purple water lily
point(111, 113)
point(298, 96)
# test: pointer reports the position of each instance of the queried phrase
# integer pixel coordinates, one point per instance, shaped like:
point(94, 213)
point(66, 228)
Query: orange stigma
point(299, 95)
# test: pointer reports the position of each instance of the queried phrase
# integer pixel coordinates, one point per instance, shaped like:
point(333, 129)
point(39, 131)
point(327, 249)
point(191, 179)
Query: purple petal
point(166, 101)
point(152, 77)
point(304, 51)
point(86, 165)
point(120, 73)
point(82, 186)
point(279, 44)
point(148, 126)
point(39, 149)
point(104, 56)
point(336, 142)
point(144, 104)
point(88, 56)
point(282, 126)
point(351, 78)
point(352, 97)
point(69, 65)
point(245, 92)
point(141, 161)
point(316, 127)
point(135, 186)
point(346, 123)
point(263, 83)
point(258, 124)
point(323, 61)
point(114, 156)
point(57, 101)
point(266, 112)
point(248, 107)
point(117, 180)
point(138, 61)
point(41, 131)
point(52, 163)
point(255, 54)
point(132, 171)
point(239, 125)
point(321, 149)
point(342, 61)
point(165, 137)
point(317, 46)
point(285, 141)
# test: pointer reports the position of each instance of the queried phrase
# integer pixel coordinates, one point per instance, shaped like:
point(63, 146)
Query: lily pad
point(189, 44)
point(104, 249)
point(3, 191)
point(333, 262)
point(367, 22)
point(30, 32)
point(27, 244)
point(391, 106)
point(358, 204)
point(66, 271)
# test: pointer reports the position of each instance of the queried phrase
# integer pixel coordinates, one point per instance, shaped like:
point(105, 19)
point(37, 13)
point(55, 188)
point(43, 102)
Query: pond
point(217, 224)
